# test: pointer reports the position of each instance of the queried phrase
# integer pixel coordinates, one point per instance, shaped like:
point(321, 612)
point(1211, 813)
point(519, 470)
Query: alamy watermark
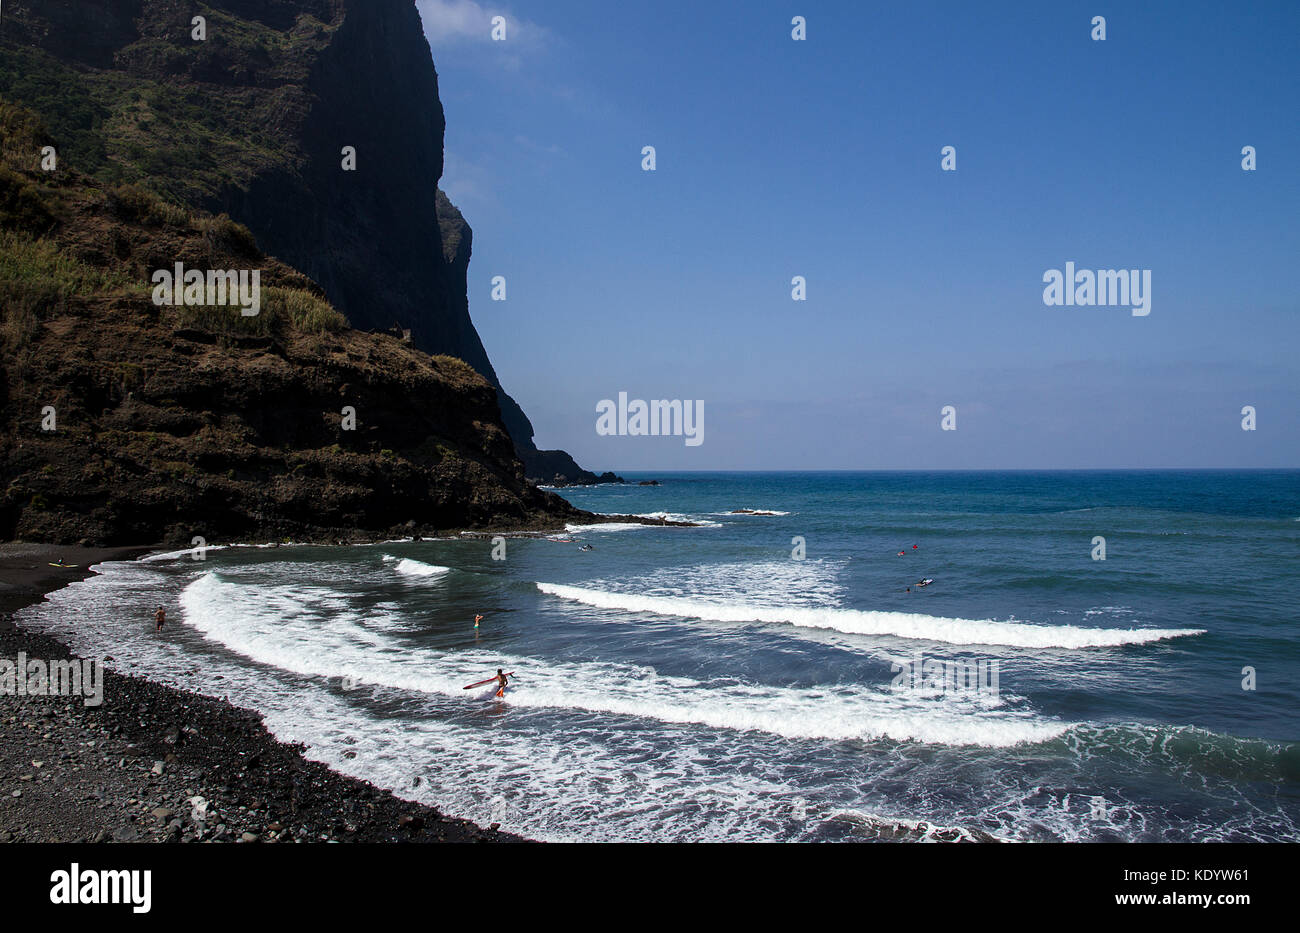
point(33, 677)
point(194, 287)
point(639, 418)
point(1124, 288)
point(75, 885)
point(932, 677)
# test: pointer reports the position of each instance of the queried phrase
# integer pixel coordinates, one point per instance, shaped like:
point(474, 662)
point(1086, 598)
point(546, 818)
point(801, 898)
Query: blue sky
point(821, 158)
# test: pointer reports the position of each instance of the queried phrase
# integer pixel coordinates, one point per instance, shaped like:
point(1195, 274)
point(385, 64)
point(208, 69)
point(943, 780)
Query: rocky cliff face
point(542, 466)
point(122, 421)
point(253, 120)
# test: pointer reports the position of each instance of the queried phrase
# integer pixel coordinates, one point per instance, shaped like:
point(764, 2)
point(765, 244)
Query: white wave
point(677, 517)
point(866, 622)
point(416, 568)
point(605, 526)
point(270, 544)
point(697, 520)
point(291, 628)
point(190, 551)
point(568, 777)
point(751, 512)
point(177, 555)
point(919, 830)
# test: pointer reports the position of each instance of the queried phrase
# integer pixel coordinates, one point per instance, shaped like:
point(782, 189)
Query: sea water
point(749, 678)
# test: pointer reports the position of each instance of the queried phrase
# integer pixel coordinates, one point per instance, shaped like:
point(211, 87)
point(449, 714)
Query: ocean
point(770, 676)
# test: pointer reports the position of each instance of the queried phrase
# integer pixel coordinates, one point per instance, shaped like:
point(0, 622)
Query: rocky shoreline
point(157, 764)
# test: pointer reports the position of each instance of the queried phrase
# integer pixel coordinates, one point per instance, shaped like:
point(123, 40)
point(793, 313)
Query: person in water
point(159, 618)
point(477, 620)
point(502, 680)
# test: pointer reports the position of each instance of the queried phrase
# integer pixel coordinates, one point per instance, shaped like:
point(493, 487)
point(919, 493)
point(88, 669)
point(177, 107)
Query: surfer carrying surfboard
point(501, 679)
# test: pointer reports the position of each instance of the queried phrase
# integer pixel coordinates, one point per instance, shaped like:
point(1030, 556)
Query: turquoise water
point(724, 682)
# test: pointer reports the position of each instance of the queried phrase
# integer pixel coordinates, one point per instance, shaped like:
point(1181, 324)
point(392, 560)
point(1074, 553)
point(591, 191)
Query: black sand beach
point(129, 770)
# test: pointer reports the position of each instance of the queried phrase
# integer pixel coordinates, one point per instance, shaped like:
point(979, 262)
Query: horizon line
point(1279, 469)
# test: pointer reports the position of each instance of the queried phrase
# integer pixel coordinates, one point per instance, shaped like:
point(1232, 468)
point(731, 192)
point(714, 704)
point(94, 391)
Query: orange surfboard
point(482, 683)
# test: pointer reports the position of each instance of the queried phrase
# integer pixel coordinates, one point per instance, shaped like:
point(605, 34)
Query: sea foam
point(868, 622)
point(416, 568)
point(311, 635)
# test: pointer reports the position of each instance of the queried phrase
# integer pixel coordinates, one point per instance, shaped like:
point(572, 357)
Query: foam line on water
point(177, 555)
point(867, 622)
point(416, 568)
point(573, 528)
point(696, 520)
point(312, 634)
point(748, 512)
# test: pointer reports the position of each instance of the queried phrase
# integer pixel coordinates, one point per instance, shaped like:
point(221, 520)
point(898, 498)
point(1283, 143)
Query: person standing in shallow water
point(159, 618)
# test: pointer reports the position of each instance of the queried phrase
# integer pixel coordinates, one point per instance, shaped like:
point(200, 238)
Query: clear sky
point(821, 158)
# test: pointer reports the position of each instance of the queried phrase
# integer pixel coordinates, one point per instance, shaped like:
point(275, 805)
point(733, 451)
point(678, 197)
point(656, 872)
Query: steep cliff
point(253, 120)
point(124, 421)
point(545, 466)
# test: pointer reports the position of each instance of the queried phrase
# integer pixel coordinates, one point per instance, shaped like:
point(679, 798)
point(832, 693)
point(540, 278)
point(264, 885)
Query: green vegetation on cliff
point(175, 421)
point(251, 121)
point(188, 118)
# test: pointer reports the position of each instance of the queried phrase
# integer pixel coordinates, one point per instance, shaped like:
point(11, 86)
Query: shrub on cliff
point(223, 232)
point(306, 312)
point(137, 205)
point(456, 369)
point(36, 276)
point(21, 204)
point(283, 310)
